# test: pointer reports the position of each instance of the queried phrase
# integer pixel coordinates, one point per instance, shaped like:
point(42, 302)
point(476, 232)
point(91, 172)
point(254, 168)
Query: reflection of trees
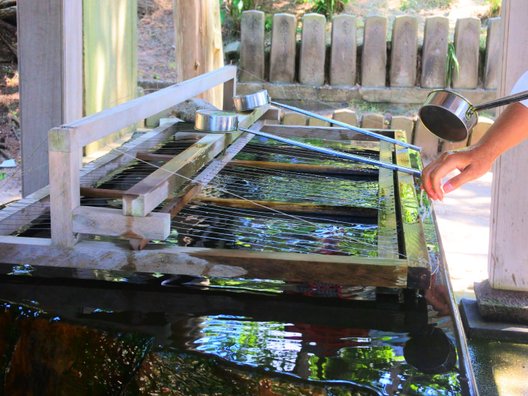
point(281, 347)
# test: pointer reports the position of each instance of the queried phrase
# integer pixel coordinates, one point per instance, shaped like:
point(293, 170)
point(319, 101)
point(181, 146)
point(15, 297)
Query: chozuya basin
point(251, 101)
point(215, 121)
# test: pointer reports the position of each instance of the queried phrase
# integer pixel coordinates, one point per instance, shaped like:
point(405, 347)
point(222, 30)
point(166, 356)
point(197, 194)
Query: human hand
point(472, 163)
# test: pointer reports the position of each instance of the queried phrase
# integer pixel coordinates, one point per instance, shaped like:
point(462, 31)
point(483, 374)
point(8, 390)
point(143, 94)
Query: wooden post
point(64, 163)
point(198, 41)
point(110, 59)
point(508, 255)
point(50, 66)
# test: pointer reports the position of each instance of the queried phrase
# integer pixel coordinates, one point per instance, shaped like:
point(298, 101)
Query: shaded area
point(155, 334)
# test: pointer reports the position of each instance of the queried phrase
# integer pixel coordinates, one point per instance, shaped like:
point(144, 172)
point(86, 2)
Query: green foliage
point(452, 65)
point(327, 7)
point(268, 23)
point(236, 7)
point(494, 7)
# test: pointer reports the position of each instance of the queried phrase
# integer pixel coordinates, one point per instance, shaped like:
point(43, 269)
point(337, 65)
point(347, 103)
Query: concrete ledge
point(341, 93)
point(477, 327)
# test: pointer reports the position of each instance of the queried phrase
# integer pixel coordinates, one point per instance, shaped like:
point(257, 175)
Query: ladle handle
point(339, 154)
point(347, 126)
point(502, 101)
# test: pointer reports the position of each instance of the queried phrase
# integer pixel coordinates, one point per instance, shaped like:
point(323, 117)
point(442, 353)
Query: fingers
point(470, 164)
point(433, 174)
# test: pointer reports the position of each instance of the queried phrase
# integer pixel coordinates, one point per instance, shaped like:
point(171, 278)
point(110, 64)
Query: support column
point(50, 67)
point(508, 258)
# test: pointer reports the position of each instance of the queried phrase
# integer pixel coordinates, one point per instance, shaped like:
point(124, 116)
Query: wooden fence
point(398, 71)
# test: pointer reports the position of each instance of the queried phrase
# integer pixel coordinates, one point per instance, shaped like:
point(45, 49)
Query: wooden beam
point(305, 168)
point(99, 125)
point(293, 267)
point(291, 207)
point(111, 222)
point(91, 192)
point(387, 224)
point(146, 195)
point(414, 242)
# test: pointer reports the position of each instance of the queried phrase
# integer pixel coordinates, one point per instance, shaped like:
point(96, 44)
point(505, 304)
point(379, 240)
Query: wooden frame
point(400, 263)
point(66, 142)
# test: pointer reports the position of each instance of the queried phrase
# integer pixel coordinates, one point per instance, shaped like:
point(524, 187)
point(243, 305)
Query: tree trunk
point(198, 42)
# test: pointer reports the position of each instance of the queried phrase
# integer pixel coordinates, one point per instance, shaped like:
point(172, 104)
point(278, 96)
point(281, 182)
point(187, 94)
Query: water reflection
point(196, 338)
point(314, 352)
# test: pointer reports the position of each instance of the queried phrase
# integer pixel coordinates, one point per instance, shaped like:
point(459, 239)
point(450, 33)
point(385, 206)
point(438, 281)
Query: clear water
point(186, 336)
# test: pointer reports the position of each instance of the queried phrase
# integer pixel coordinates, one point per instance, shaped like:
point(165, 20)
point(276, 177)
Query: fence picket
point(344, 48)
point(313, 50)
point(467, 42)
point(282, 58)
point(434, 52)
point(404, 51)
point(252, 46)
point(374, 54)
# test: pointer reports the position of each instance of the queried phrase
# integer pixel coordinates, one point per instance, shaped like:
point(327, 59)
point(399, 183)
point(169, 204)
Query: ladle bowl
point(215, 120)
point(452, 117)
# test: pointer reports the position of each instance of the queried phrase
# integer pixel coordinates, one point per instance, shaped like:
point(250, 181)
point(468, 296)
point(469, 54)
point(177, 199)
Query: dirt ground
point(156, 56)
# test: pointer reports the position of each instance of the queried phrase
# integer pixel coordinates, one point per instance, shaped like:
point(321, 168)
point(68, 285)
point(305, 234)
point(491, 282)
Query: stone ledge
point(328, 93)
point(477, 327)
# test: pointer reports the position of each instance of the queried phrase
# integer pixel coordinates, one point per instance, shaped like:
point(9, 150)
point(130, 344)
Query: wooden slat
point(387, 224)
point(111, 222)
point(305, 168)
point(28, 209)
point(121, 156)
point(291, 207)
point(91, 192)
point(143, 197)
point(22, 212)
point(161, 184)
point(413, 234)
point(293, 267)
point(97, 126)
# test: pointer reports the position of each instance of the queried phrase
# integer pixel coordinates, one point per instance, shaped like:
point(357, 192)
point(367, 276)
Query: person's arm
point(510, 128)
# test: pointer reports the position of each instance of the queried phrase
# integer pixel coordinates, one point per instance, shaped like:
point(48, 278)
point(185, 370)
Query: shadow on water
point(96, 332)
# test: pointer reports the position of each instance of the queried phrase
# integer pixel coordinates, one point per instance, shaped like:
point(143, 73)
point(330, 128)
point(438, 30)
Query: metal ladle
point(221, 121)
point(451, 117)
point(260, 98)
